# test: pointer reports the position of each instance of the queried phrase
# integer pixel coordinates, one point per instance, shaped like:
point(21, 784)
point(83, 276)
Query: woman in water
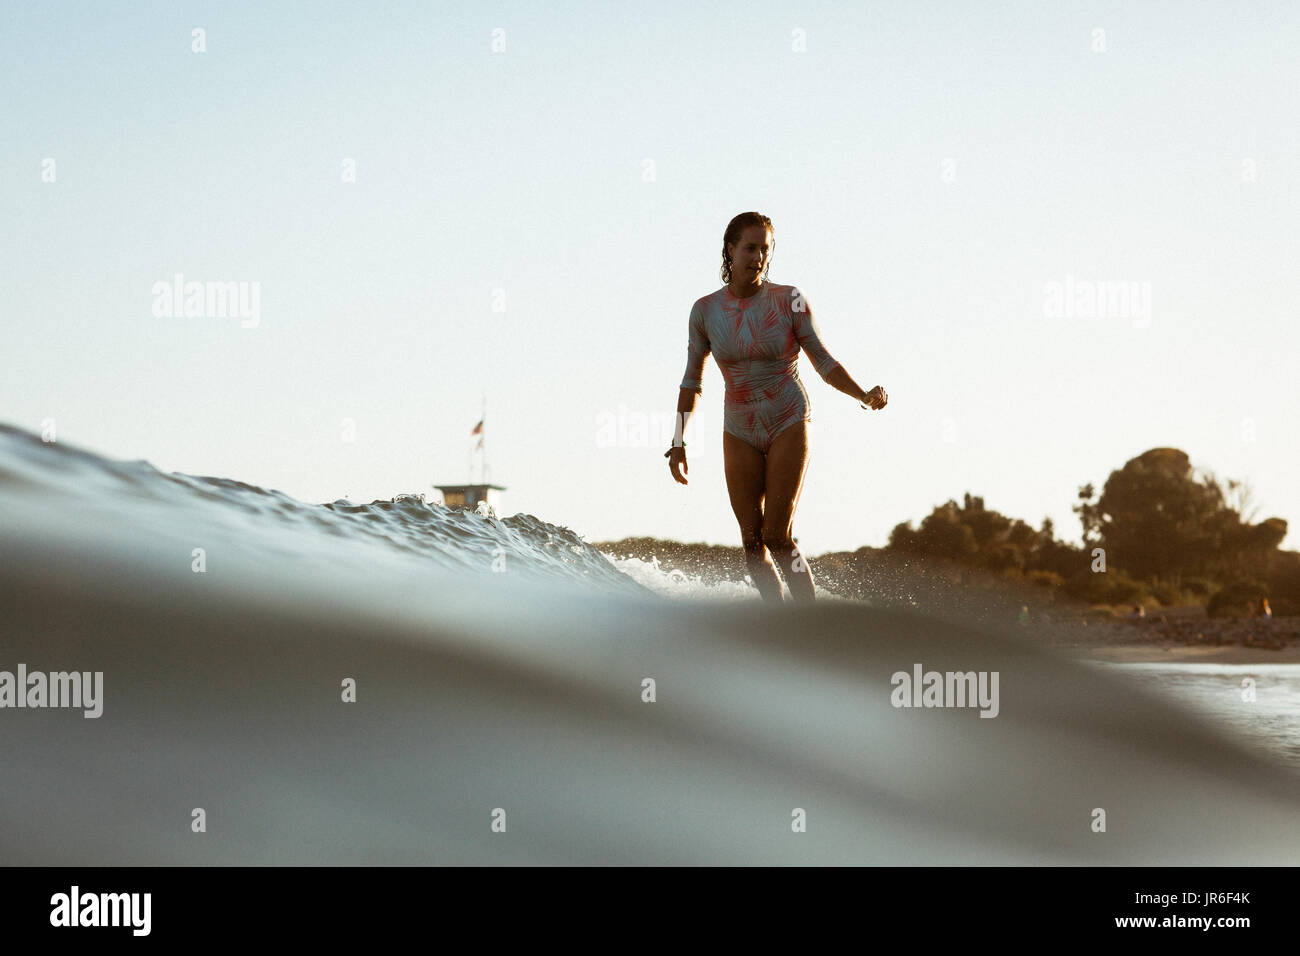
point(755, 328)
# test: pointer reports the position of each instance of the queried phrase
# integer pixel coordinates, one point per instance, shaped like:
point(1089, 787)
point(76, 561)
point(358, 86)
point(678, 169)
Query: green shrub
point(1166, 594)
point(1285, 607)
point(1284, 583)
point(1238, 599)
point(1113, 586)
point(1046, 578)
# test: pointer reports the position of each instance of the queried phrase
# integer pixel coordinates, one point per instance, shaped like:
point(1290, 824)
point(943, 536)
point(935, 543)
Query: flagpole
point(481, 445)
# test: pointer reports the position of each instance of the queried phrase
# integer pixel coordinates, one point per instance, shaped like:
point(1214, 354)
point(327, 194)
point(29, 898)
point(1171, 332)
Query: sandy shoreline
point(1184, 653)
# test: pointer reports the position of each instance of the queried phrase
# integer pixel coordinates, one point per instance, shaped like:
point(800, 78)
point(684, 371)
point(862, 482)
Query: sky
point(440, 206)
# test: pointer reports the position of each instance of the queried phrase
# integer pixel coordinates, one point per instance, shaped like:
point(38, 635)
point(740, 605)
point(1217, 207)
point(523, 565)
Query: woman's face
point(749, 256)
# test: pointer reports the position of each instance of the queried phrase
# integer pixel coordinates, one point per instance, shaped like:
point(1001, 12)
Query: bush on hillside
point(1237, 599)
point(1113, 586)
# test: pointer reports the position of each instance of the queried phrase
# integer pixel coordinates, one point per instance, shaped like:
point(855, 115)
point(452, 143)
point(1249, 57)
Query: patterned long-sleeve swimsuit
point(756, 342)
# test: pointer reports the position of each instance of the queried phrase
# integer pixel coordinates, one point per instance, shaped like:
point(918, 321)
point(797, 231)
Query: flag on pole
point(478, 429)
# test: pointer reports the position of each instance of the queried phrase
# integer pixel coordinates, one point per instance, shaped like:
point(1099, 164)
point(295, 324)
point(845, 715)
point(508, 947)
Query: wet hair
point(734, 229)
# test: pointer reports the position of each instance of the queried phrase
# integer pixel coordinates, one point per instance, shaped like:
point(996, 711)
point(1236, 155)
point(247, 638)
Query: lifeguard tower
point(469, 496)
point(480, 496)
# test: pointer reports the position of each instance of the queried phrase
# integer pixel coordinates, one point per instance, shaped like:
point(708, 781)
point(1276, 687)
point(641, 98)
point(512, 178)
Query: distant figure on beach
point(754, 329)
point(1138, 611)
point(1264, 609)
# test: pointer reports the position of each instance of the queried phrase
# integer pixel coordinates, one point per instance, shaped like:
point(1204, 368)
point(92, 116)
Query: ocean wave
point(555, 711)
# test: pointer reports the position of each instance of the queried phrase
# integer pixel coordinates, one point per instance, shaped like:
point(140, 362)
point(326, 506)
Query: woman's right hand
point(677, 457)
point(876, 399)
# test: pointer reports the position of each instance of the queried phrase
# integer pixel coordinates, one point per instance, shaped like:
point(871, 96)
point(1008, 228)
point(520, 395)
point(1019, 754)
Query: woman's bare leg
point(746, 471)
point(787, 462)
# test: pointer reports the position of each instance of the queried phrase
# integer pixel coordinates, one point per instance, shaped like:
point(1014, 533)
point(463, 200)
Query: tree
point(1089, 515)
point(979, 537)
point(1159, 520)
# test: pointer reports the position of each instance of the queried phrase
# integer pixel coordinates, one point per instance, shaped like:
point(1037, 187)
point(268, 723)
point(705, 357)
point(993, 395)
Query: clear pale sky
point(929, 167)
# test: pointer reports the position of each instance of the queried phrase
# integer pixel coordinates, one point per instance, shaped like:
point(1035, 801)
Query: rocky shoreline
point(1187, 627)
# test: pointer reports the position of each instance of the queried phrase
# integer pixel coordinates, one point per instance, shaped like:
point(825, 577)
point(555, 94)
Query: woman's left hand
point(877, 398)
